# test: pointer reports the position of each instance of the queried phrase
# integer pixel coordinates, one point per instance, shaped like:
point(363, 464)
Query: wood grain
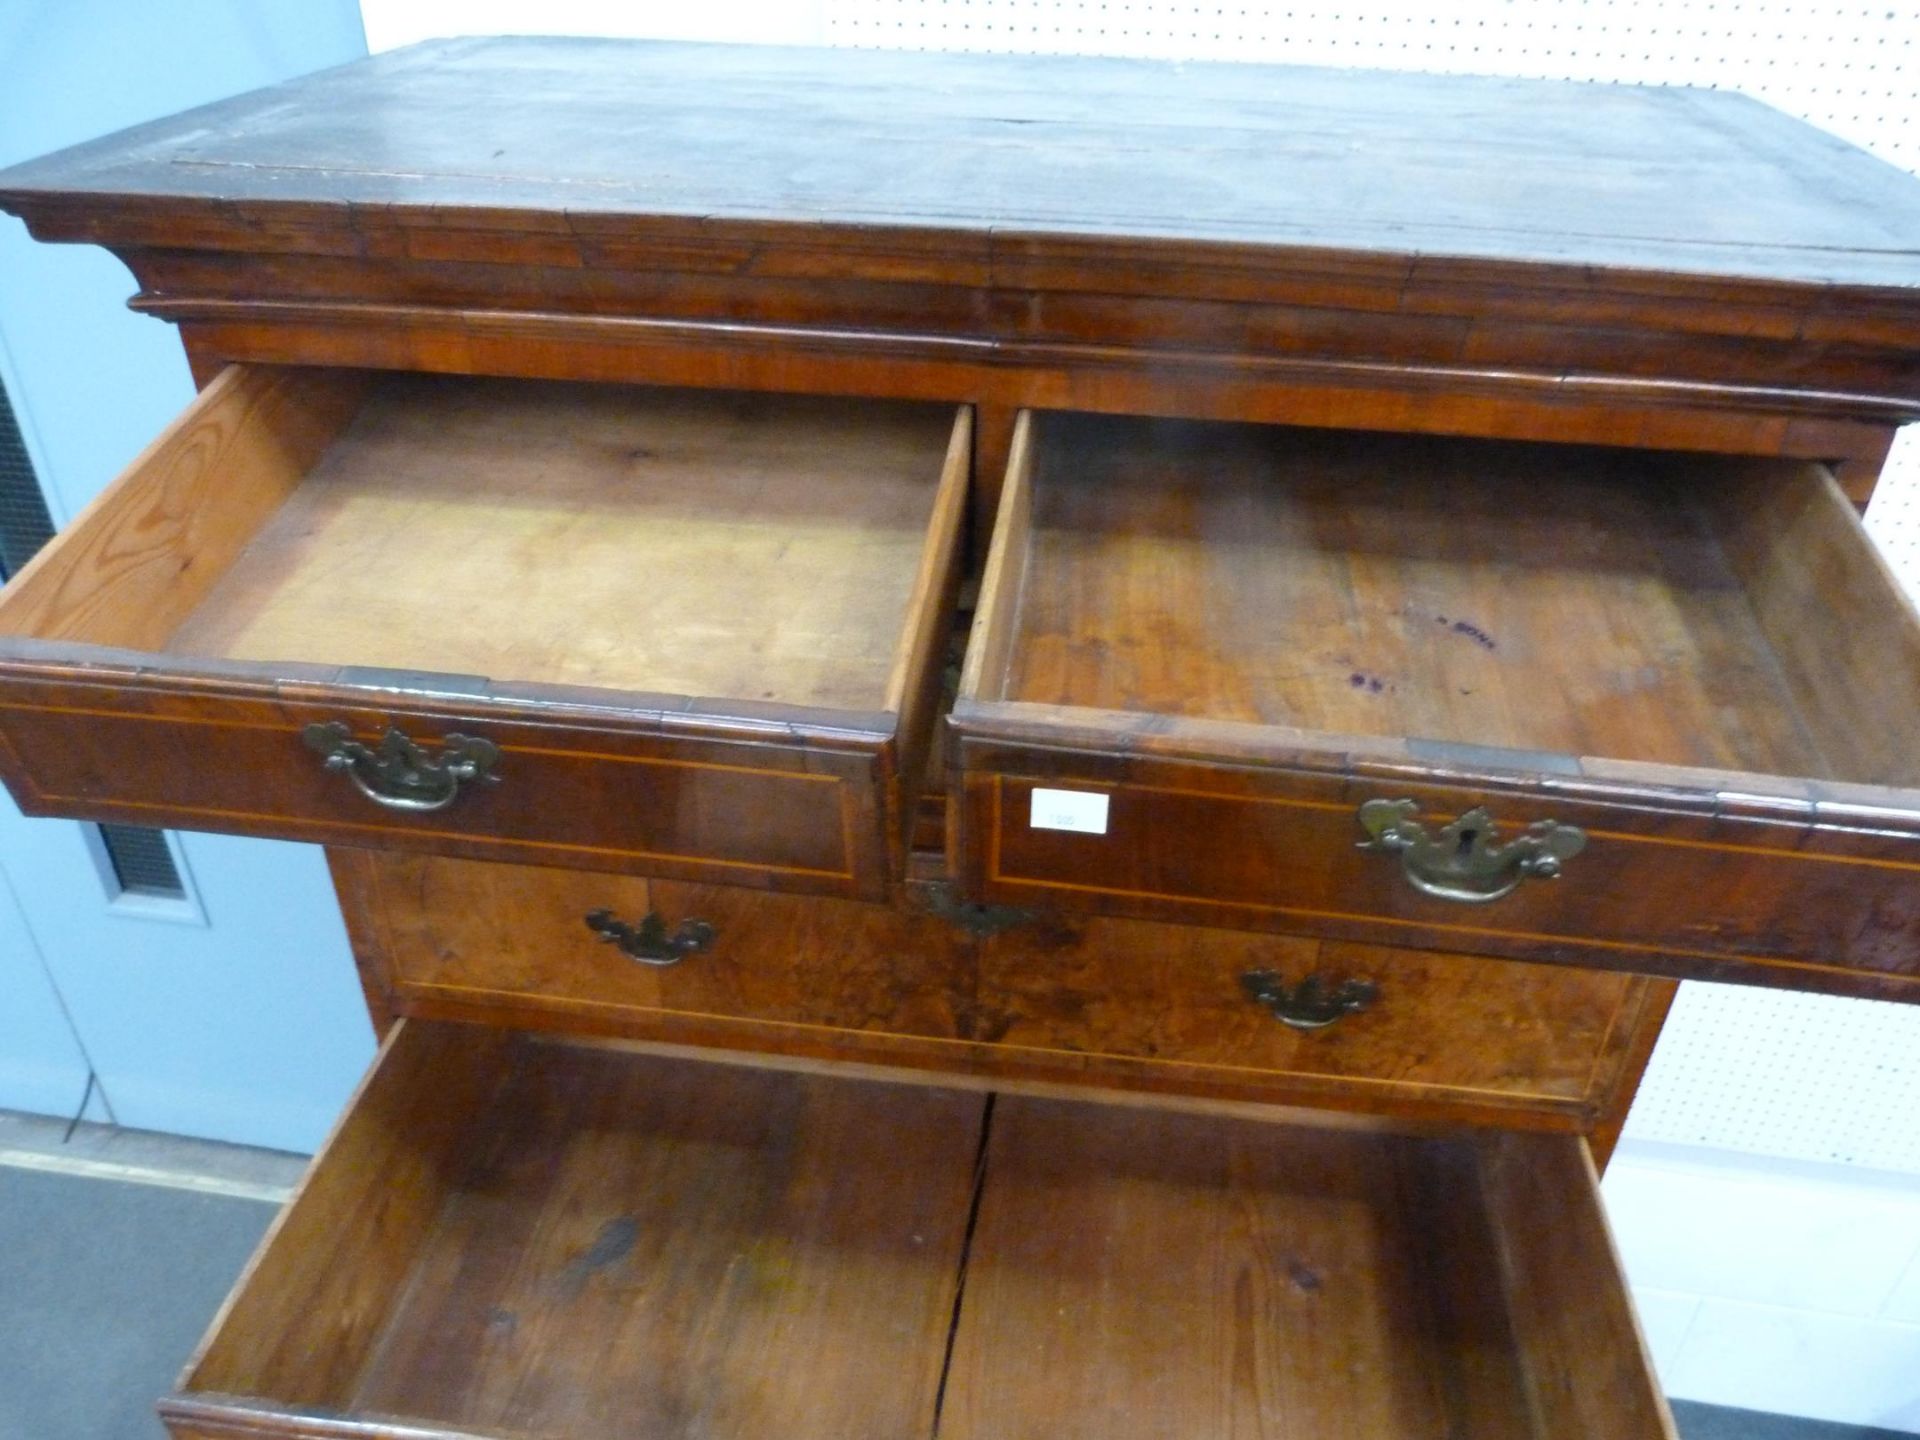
point(1096, 374)
point(661, 542)
point(457, 931)
point(1830, 606)
point(1132, 1275)
point(640, 1244)
point(132, 565)
point(1470, 256)
point(1637, 1053)
point(529, 563)
point(1087, 1002)
point(1237, 636)
point(501, 136)
point(1684, 893)
point(994, 424)
point(1479, 1031)
point(1558, 600)
point(1586, 1361)
point(1704, 671)
point(301, 1324)
point(1003, 579)
point(765, 807)
point(917, 685)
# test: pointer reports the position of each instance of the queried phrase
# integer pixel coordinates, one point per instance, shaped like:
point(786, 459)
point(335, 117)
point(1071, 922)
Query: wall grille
point(142, 863)
point(25, 524)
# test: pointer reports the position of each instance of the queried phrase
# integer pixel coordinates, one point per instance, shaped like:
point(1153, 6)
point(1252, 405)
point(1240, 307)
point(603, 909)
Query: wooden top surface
point(606, 135)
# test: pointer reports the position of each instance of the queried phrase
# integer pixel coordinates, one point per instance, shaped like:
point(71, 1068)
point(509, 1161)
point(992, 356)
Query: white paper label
point(1069, 810)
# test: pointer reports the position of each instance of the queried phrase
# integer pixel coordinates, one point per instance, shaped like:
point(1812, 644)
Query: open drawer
point(510, 1237)
point(693, 633)
point(1603, 706)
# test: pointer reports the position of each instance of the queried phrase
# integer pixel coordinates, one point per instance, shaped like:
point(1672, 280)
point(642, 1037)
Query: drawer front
point(1713, 899)
point(1549, 703)
point(1337, 1018)
point(731, 1250)
point(513, 945)
point(695, 634)
point(752, 814)
point(1110, 1002)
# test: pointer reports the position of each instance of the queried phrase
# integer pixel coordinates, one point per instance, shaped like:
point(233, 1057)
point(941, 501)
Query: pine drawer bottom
point(509, 1237)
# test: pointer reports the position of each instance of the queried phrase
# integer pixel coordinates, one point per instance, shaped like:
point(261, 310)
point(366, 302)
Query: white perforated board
point(1805, 1077)
point(1768, 1072)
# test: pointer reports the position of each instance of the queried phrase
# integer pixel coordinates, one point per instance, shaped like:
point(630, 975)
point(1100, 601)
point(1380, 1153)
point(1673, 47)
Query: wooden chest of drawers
point(1013, 747)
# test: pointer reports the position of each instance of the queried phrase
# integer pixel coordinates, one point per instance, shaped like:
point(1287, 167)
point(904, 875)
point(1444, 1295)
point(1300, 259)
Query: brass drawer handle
point(650, 942)
point(1463, 860)
point(1312, 1004)
point(400, 773)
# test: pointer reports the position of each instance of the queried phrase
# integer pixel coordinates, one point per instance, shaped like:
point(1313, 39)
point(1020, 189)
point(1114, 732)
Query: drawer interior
point(1668, 609)
point(1142, 1274)
point(682, 543)
point(510, 1236)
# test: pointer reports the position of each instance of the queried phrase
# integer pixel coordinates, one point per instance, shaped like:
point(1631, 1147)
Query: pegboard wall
point(1767, 1072)
point(1844, 66)
point(1801, 1077)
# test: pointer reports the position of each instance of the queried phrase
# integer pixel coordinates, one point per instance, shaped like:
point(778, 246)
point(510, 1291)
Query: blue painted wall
point(97, 381)
point(240, 1019)
point(42, 1067)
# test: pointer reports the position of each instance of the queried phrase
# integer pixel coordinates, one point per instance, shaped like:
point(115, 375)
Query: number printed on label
point(1069, 810)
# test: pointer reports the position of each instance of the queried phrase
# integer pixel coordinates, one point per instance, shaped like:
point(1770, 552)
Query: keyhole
point(1466, 840)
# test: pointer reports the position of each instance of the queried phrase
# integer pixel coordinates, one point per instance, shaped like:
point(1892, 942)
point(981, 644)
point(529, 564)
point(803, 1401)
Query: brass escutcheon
point(1464, 860)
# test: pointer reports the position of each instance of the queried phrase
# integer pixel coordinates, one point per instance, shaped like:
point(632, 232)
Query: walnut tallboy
point(1014, 747)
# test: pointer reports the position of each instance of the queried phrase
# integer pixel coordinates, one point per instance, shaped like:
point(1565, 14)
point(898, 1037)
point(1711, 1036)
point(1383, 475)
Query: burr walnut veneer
point(1013, 746)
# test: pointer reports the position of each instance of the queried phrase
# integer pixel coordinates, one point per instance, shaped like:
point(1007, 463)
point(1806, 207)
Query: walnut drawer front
point(1558, 703)
point(509, 1237)
point(605, 626)
point(1133, 1004)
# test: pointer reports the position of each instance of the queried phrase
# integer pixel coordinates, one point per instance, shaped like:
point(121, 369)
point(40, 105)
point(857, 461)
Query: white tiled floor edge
point(1760, 1281)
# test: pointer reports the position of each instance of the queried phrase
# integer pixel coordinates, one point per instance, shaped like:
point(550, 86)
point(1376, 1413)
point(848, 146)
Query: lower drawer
point(509, 1237)
point(1129, 1003)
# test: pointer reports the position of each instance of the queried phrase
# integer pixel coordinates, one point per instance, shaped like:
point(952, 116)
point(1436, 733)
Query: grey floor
point(107, 1283)
point(1710, 1422)
point(105, 1286)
